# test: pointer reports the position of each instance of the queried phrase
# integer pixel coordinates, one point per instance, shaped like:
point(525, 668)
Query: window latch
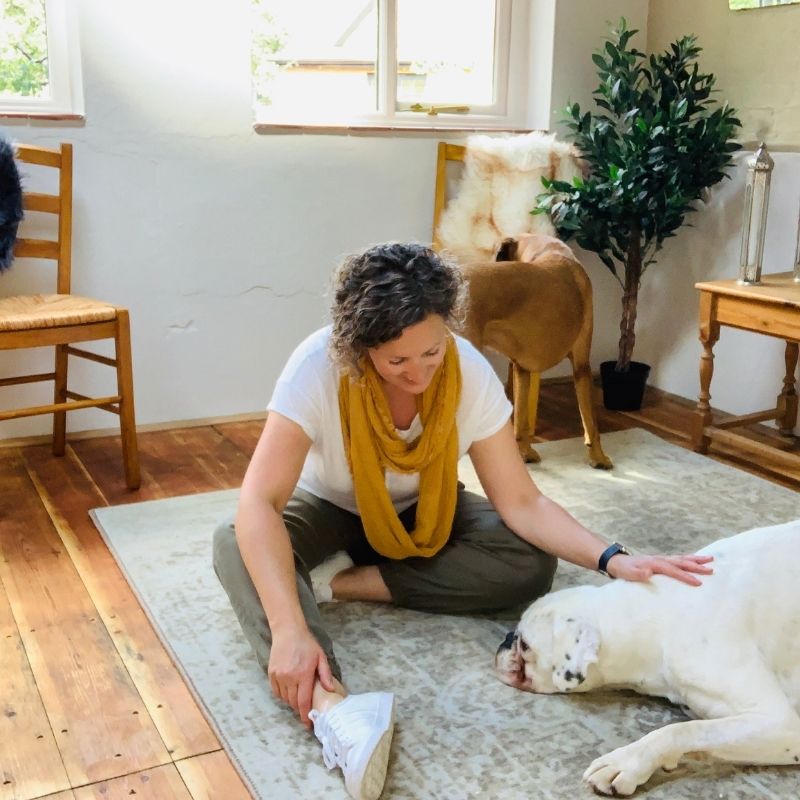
point(432, 111)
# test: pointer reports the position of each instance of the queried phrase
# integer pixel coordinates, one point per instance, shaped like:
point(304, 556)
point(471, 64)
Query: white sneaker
point(356, 735)
point(322, 575)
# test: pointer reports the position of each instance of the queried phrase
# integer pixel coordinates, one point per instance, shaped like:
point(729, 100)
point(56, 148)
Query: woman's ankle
point(322, 699)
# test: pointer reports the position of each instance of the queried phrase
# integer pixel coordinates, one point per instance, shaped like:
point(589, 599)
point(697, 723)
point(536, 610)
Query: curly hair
point(379, 293)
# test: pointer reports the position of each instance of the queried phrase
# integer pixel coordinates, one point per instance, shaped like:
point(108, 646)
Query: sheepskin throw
point(501, 178)
point(10, 203)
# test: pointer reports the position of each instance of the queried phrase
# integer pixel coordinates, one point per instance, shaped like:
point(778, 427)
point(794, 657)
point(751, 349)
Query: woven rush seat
point(34, 311)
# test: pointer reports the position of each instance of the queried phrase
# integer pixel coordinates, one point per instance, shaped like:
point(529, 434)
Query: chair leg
point(60, 396)
point(127, 416)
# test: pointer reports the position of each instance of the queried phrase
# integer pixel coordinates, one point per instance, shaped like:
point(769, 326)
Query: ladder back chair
point(63, 319)
point(522, 387)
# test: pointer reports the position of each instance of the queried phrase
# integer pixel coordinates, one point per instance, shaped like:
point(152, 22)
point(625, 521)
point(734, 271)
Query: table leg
point(709, 333)
point(787, 399)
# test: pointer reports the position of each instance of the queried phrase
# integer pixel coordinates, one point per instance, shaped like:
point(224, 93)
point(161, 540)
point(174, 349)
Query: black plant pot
point(623, 391)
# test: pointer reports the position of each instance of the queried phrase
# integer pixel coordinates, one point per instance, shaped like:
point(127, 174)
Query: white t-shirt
point(307, 392)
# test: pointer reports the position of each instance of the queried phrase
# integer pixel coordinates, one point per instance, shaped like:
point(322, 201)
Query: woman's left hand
point(642, 568)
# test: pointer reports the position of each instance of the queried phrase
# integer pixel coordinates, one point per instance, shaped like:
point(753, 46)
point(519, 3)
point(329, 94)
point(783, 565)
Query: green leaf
point(653, 142)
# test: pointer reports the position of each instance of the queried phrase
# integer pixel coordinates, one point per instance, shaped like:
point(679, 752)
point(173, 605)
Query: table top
point(780, 287)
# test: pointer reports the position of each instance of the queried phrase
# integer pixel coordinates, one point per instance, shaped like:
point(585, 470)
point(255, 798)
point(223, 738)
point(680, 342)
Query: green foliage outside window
point(267, 39)
point(23, 48)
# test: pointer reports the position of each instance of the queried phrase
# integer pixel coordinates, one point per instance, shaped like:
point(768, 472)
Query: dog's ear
point(506, 250)
point(576, 646)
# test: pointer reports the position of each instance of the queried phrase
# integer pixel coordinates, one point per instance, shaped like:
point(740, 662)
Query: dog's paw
point(600, 461)
point(617, 773)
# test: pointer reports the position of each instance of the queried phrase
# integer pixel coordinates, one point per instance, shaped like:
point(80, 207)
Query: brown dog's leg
point(526, 396)
point(582, 373)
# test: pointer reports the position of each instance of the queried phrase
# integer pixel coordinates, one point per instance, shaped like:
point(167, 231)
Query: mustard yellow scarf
point(372, 445)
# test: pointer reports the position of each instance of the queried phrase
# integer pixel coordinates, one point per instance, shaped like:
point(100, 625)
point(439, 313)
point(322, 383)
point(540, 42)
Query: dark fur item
point(10, 203)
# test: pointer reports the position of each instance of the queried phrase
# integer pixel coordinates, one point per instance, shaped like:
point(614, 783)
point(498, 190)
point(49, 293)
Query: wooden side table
point(773, 309)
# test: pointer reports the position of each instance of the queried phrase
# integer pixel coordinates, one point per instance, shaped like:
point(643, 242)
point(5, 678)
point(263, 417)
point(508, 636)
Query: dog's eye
point(523, 645)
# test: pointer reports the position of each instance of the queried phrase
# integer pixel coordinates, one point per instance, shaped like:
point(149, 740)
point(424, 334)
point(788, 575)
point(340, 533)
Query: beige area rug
point(460, 732)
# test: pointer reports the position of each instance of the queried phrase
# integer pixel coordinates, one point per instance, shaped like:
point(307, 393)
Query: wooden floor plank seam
point(73, 459)
point(110, 621)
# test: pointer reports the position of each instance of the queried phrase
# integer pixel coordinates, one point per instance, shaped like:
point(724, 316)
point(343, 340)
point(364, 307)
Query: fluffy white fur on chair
point(501, 178)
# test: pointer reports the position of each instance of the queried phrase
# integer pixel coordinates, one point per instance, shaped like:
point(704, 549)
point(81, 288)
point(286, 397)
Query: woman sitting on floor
point(366, 424)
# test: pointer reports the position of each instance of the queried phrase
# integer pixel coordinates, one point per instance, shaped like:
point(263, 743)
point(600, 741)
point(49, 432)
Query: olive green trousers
point(484, 567)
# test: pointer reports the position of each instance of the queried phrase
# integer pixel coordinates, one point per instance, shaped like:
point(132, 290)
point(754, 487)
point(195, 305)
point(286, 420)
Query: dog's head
point(548, 652)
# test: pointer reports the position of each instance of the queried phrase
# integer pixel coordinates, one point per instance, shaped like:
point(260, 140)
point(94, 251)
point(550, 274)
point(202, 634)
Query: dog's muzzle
point(508, 663)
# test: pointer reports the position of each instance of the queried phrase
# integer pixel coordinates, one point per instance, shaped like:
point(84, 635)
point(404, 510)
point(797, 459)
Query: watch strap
point(607, 555)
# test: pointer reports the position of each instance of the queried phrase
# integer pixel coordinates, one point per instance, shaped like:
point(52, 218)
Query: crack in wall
point(255, 288)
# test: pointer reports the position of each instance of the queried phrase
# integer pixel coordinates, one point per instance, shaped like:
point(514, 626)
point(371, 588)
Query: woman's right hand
point(296, 661)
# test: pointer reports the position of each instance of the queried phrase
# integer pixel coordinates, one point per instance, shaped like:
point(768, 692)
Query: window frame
point(510, 84)
point(64, 67)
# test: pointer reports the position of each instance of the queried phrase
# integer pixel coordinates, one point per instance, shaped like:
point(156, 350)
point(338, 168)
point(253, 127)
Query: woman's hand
point(642, 568)
point(296, 660)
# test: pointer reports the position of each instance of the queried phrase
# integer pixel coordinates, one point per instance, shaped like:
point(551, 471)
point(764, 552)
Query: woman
point(358, 454)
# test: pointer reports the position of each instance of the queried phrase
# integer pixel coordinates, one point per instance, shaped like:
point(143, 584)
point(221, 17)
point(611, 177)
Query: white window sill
point(43, 115)
point(271, 128)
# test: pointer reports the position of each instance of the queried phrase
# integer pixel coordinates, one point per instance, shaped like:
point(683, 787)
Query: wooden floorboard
point(30, 762)
point(98, 719)
point(159, 783)
point(243, 434)
point(212, 775)
point(67, 492)
point(82, 667)
point(173, 463)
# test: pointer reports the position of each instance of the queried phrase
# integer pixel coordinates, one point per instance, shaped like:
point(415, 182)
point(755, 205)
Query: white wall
point(563, 36)
point(755, 58)
point(220, 241)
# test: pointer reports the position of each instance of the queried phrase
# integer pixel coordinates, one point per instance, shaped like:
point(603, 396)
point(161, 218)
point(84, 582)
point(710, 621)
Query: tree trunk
point(630, 296)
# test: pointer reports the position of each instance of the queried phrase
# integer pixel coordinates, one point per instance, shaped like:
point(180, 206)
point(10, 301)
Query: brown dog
point(533, 304)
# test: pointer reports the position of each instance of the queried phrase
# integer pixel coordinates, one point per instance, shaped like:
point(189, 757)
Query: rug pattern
point(460, 733)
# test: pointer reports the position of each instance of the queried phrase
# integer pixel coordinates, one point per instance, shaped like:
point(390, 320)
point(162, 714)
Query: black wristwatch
point(607, 555)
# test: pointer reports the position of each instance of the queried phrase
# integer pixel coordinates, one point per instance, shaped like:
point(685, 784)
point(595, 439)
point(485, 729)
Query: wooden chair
point(63, 319)
point(522, 387)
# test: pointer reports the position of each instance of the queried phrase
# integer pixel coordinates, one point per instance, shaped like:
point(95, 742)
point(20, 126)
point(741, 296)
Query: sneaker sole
point(374, 776)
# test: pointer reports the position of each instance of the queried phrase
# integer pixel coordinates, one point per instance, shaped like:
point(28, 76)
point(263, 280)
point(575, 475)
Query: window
point(398, 63)
point(39, 59)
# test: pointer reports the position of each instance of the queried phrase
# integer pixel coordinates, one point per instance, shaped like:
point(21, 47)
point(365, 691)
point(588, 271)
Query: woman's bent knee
point(531, 578)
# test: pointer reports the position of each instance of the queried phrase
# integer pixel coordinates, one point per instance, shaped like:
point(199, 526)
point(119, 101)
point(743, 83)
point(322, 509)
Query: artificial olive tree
point(656, 141)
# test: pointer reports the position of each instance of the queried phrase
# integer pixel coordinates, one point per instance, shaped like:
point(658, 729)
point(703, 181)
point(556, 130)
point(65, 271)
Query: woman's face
point(409, 362)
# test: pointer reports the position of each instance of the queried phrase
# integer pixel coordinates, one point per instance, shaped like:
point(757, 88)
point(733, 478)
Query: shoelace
point(334, 741)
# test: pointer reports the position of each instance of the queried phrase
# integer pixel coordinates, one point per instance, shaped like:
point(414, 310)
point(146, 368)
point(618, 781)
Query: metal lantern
point(754, 222)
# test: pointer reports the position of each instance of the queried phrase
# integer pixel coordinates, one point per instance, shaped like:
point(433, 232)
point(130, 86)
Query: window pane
point(314, 58)
point(23, 49)
point(445, 51)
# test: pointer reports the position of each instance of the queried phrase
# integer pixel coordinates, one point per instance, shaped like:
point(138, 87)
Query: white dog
point(728, 651)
